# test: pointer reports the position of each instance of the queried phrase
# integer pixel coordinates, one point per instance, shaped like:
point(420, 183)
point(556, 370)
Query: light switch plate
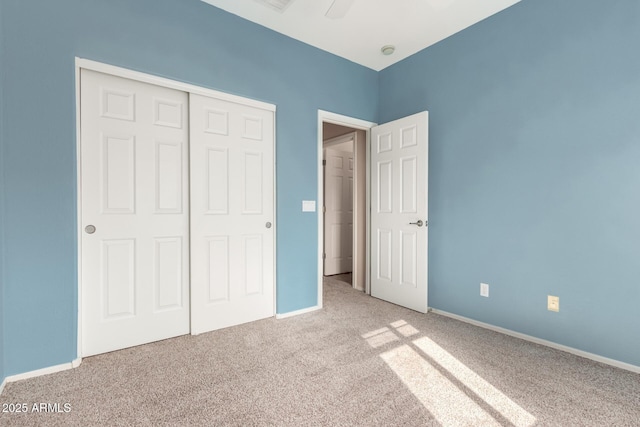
point(308, 206)
point(484, 290)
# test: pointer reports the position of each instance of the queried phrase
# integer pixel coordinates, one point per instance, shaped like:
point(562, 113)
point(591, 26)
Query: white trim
point(298, 312)
point(342, 120)
point(168, 83)
point(78, 209)
point(41, 372)
point(338, 119)
point(4, 383)
point(575, 351)
point(367, 208)
point(274, 220)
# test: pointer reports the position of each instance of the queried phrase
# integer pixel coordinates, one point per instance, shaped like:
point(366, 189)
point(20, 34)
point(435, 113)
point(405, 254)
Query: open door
point(338, 210)
point(399, 201)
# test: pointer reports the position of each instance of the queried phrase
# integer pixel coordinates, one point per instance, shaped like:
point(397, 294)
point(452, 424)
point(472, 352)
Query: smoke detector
point(388, 49)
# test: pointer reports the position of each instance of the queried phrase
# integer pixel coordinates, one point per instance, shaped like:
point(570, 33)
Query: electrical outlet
point(553, 303)
point(484, 290)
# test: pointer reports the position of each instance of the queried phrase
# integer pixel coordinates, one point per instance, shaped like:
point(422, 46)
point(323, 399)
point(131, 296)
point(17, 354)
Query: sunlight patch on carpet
point(380, 337)
point(491, 395)
point(432, 380)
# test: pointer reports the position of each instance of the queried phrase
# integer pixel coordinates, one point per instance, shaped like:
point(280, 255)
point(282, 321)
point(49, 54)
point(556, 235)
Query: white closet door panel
point(232, 213)
point(168, 278)
point(118, 278)
point(135, 275)
point(169, 178)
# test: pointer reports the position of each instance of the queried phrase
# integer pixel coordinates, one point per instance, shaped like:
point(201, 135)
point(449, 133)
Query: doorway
point(344, 203)
point(343, 198)
point(340, 200)
point(395, 210)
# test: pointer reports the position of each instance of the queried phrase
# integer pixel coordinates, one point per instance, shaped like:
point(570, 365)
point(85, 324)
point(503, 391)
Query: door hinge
point(324, 209)
point(324, 256)
point(324, 163)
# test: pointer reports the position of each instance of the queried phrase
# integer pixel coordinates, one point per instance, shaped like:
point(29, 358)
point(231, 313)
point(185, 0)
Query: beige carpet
point(359, 361)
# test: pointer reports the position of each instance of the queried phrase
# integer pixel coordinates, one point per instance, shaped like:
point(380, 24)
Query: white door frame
point(81, 63)
point(339, 119)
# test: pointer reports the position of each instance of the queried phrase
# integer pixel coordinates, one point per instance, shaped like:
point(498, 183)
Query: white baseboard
point(575, 351)
point(4, 382)
point(44, 371)
point(298, 312)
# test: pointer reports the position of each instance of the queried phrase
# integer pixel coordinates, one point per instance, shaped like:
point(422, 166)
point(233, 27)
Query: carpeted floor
point(358, 362)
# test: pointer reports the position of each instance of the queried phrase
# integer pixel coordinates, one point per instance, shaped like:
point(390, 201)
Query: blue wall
point(535, 169)
point(184, 40)
point(534, 152)
point(2, 344)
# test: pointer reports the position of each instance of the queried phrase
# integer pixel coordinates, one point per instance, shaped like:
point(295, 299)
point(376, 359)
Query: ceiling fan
point(338, 9)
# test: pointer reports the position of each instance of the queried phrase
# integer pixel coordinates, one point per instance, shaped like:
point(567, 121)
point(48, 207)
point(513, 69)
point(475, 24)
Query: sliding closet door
point(134, 213)
point(232, 213)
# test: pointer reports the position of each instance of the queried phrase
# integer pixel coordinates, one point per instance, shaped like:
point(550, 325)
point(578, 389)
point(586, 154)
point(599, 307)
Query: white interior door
point(338, 216)
point(232, 213)
point(399, 162)
point(134, 213)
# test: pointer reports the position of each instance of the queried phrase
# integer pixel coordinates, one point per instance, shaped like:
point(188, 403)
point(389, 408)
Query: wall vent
point(279, 5)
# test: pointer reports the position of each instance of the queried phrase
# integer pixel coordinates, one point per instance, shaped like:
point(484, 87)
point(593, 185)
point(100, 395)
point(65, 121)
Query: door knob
point(90, 229)
point(268, 225)
point(418, 223)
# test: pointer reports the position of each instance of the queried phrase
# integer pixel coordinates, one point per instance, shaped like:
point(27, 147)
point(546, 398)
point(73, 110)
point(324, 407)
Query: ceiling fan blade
point(338, 9)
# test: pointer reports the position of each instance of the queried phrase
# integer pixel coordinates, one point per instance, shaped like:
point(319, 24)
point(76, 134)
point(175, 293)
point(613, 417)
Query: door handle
point(418, 223)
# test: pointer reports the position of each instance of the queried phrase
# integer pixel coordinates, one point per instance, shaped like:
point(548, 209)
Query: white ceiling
point(409, 25)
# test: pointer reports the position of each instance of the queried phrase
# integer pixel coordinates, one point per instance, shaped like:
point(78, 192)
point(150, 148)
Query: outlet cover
point(484, 290)
point(553, 303)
